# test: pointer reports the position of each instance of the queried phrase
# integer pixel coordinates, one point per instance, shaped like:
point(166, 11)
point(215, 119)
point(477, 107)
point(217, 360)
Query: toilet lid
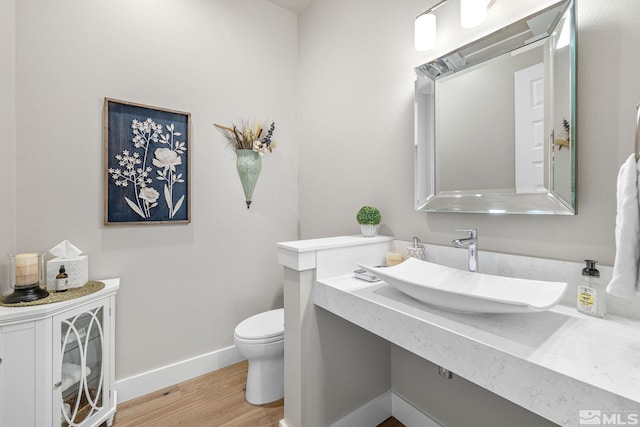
point(262, 325)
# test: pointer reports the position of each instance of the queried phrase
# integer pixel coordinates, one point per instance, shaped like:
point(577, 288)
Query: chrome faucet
point(472, 242)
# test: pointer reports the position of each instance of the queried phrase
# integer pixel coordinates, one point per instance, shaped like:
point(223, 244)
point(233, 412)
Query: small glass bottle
point(62, 280)
point(591, 291)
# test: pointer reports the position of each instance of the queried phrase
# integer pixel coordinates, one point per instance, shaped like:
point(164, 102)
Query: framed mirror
point(495, 121)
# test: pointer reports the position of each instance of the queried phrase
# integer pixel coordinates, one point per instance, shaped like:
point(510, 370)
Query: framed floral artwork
point(146, 164)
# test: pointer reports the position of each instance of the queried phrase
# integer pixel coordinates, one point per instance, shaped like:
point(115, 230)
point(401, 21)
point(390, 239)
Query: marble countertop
point(554, 363)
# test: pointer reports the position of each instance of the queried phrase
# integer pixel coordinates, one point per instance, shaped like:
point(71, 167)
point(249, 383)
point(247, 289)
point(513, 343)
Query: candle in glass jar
point(393, 258)
point(26, 269)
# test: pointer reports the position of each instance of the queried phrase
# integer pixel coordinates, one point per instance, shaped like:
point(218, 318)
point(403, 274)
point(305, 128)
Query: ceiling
point(295, 6)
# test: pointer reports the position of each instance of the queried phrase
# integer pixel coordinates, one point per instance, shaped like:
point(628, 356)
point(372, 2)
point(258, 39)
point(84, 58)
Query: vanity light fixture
point(425, 28)
point(425, 32)
point(472, 14)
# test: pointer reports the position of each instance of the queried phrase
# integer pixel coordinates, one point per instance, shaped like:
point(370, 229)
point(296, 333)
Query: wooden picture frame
point(147, 164)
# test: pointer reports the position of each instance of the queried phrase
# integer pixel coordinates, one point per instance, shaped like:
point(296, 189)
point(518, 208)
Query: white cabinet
point(17, 376)
point(81, 364)
point(57, 362)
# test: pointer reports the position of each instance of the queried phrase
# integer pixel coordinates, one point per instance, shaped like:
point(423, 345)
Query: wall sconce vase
point(249, 164)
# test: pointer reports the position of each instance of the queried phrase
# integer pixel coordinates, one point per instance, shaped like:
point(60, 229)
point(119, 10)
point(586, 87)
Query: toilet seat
point(261, 328)
point(271, 340)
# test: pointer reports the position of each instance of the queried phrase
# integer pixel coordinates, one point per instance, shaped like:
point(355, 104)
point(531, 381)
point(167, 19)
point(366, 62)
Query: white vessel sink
point(463, 291)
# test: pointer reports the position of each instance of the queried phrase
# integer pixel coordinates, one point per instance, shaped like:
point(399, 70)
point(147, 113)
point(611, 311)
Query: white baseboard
point(370, 414)
point(409, 415)
point(282, 423)
point(157, 379)
point(382, 407)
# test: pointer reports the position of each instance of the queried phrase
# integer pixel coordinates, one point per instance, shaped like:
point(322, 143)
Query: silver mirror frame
point(426, 197)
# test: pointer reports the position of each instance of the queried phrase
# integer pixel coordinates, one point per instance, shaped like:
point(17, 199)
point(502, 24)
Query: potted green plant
point(369, 218)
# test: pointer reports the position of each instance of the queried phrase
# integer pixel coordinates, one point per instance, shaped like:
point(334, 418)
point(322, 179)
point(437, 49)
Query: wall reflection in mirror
point(495, 121)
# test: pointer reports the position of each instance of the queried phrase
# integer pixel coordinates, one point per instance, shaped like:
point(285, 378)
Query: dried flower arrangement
point(249, 136)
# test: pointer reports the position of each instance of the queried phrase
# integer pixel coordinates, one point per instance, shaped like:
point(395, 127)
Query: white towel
point(72, 374)
point(625, 268)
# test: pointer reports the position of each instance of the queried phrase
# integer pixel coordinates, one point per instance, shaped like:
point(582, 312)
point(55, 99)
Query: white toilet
point(260, 339)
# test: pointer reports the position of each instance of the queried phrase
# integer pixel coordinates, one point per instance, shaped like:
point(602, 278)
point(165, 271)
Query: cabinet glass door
point(79, 389)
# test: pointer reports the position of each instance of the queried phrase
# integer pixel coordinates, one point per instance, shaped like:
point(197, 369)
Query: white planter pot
point(369, 230)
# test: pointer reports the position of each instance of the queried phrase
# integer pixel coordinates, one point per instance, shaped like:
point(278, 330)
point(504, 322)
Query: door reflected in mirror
point(495, 121)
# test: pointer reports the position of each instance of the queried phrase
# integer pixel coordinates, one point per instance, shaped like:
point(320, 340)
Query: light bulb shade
point(425, 32)
point(473, 12)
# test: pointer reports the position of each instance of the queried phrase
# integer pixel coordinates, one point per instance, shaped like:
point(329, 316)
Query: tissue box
point(77, 268)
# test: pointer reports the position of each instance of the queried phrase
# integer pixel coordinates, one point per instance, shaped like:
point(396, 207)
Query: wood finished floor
point(212, 400)
point(391, 422)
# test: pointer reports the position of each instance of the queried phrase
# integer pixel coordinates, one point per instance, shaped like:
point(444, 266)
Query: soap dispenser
point(591, 291)
point(417, 250)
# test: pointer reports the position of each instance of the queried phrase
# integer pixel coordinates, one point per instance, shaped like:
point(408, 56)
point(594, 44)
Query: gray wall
point(456, 401)
point(342, 75)
point(356, 125)
point(356, 135)
point(8, 126)
point(184, 288)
